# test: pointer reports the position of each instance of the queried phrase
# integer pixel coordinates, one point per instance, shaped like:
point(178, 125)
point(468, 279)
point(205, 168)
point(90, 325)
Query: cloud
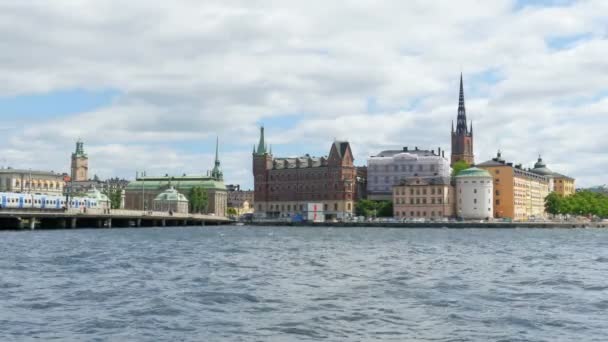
point(187, 70)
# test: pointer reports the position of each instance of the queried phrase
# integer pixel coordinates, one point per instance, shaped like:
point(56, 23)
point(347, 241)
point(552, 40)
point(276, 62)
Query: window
point(432, 201)
point(325, 207)
point(411, 201)
point(497, 192)
point(424, 191)
point(475, 201)
point(474, 191)
point(497, 202)
point(335, 206)
point(395, 168)
point(439, 200)
point(348, 207)
point(412, 192)
point(497, 171)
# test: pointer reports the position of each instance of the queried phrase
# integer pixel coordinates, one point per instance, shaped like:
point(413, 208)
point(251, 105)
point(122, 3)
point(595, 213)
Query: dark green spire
point(217, 171)
point(261, 145)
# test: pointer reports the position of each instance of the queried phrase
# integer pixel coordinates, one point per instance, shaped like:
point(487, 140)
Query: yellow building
point(518, 194)
point(561, 184)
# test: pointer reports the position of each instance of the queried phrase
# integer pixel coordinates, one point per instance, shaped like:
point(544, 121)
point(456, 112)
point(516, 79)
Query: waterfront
point(304, 284)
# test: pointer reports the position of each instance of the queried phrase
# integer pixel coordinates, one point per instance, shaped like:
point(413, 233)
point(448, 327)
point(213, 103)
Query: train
point(11, 200)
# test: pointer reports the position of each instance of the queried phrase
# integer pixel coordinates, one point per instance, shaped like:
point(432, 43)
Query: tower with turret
point(80, 164)
point(462, 136)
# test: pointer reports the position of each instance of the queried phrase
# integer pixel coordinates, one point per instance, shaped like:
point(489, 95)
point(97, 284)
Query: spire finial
point(461, 124)
point(261, 144)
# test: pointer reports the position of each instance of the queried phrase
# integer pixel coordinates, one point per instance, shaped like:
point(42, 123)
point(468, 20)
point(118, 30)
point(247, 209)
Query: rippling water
point(304, 284)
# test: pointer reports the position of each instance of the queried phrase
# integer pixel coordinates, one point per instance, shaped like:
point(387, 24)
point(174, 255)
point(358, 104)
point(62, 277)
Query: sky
point(149, 85)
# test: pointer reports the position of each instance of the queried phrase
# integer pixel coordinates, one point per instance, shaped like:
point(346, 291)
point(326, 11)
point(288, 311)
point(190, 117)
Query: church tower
point(80, 163)
point(262, 164)
point(462, 137)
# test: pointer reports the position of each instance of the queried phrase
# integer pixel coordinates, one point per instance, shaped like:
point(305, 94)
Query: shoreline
point(449, 225)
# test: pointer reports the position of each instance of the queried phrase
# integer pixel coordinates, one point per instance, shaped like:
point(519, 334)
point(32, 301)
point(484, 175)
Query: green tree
point(232, 211)
point(115, 197)
point(198, 200)
point(371, 208)
point(459, 166)
point(553, 203)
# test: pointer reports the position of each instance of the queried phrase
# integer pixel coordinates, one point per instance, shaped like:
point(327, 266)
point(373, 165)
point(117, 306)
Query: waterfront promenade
point(101, 218)
point(453, 225)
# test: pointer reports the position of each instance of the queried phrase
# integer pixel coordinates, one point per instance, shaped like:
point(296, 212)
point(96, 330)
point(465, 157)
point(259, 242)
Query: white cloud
point(188, 70)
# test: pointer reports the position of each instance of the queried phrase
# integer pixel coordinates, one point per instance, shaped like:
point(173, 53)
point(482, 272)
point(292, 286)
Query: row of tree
point(369, 208)
point(585, 203)
point(115, 197)
point(198, 200)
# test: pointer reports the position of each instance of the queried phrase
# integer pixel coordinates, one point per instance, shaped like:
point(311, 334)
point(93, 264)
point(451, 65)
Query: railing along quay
point(100, 218)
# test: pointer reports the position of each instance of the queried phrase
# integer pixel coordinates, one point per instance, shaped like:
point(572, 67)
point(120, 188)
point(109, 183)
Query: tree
point(371, 208)
point(553, 203)
point(459, 166)
point(198, 200)
point(115, 197)
point(232, 211)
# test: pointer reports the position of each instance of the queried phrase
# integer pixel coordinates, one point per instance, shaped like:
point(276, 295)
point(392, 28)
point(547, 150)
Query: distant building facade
point(80, 164)
point(390, 168)
point(474, 194)
point(241, 200)
point(284, 186)
point(172, 201)
point(141, 193)
point(430, 198)
point(462, 137)
point(361, 183)
point(32, 181)
point(519, 194)
point(561, 184)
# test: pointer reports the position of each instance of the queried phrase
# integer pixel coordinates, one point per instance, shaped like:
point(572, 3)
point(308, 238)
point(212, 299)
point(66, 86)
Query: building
point(102, 200)
point(172, 201)
point(284, 186)
point(561, 184)
point(462, 137)
point(519, 194)
point(474, 194)
point(241, 200)
point(32, 181)
point(361, 183)
point(430, 198)
point(80, 164)
point(390, 168)
point(141, 193)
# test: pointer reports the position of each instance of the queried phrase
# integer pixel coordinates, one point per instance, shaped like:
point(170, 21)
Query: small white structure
point(171, 200)
point(474, 194)
point(102, 200)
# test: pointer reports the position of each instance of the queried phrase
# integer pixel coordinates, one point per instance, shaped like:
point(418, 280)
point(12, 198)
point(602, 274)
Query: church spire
point(261, 145)
point(461, 125)
point(217, 171)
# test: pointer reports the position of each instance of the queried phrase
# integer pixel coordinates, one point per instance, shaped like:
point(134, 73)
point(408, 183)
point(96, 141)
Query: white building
point(474, 194)
point(389, 168)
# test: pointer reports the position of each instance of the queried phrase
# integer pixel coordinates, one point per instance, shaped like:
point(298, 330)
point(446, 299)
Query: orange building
point(518, 194)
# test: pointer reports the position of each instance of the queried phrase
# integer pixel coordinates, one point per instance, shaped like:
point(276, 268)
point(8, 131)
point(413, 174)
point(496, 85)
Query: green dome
point(171, 195)
point(474, 172)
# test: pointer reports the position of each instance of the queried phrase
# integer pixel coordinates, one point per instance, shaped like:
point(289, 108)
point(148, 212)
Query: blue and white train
point(10, 200)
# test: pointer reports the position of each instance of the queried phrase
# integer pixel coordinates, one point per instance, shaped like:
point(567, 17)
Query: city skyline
point(382, 76)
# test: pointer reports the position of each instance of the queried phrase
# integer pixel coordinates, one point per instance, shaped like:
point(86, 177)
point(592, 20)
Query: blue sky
point(386, 77)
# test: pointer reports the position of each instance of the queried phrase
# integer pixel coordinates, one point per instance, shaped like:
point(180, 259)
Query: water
point(304, 284)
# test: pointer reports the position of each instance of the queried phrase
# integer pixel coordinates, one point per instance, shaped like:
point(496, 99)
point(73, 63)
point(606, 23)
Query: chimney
point(443, 154)
point(405, 149)
point(439, 151)
point(416, 148)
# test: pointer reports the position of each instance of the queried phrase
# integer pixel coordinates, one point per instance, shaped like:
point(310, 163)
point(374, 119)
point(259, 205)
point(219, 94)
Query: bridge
point(101, 218)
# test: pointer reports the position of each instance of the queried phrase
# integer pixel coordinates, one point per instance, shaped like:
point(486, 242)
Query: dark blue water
point(304, 284)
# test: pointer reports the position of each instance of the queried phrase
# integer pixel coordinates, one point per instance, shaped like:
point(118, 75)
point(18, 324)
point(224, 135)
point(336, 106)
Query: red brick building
point(283, 186)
